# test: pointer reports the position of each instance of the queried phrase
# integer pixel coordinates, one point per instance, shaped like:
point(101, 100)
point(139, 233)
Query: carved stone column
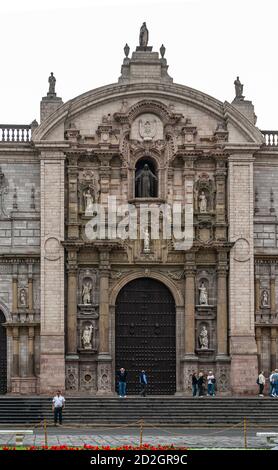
point(222, 312)
point(273, 348)
point(31, 362)
point(259, 346)
point(104, 381)
point(220, 203)
point(189, 309)
point(72, 303)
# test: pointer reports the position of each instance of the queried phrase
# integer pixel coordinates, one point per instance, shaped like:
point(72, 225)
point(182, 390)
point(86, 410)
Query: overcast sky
point(208, 43)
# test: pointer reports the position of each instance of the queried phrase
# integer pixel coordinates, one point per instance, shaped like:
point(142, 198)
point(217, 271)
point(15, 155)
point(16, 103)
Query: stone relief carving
point(241, 250)
point(72, 378)
point(3, 192)
point(88, 378)
point(104, 379)
point(176, 275)
point(147, 129)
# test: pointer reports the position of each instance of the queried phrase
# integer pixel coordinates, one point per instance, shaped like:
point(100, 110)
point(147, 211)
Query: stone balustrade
point(271, 138)
point(10, 133)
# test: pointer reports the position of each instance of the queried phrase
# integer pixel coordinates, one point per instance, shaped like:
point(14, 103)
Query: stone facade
point(59, 289)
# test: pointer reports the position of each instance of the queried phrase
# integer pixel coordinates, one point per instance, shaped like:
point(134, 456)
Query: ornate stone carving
point(52, 248)
point(3, 192)
point(203, 338)
point(241, 251)
point(88, 378)
point(147, 129)
point(104, 378)
point(176, 275)
point(72, 378)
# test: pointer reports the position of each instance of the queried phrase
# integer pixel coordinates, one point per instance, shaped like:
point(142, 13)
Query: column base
point(104, 375)
point(244, 373)
point(24, 385)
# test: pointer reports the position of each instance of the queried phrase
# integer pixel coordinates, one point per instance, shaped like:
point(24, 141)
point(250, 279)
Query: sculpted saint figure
point(202, 202)
point(145, 181)
point(144, 36)
point(203, 338)
point(203, 295)
point(238, 88)
point(87, 337)
point(86, 292)
point(52, 82)
point(146, 240)
point(88, 198)
point(265, 302)
point(23, 298)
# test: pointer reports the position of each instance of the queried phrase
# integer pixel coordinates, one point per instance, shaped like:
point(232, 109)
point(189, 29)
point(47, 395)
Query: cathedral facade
point(76, 305)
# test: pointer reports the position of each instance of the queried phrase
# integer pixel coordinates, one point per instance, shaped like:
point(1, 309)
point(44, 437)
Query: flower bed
point(90, 447)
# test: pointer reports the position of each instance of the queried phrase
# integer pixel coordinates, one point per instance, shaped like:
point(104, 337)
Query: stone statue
point(202, 202)
point(265, 301)
point(23, 298)
point(87, 337)
point(144, 36)
point(86, 292)
point(88, 198)
point(239, 89)
point(146, 240)
point(203, 338)
point(52, 82)
point(203, 295)
point(145, 180)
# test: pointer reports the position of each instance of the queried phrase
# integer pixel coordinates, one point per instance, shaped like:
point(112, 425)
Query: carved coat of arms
point(147, 129)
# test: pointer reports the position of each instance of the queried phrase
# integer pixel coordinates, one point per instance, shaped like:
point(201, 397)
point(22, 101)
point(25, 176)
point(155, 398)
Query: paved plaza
point(206, 437)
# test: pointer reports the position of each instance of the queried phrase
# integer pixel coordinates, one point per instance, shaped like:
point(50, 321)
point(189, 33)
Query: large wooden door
point(146, 335)
point(3, 355)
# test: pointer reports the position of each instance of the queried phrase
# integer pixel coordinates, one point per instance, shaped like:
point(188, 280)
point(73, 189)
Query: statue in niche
point(89, 202)
point(202, 202)
point(145, 181)
point(203, 338)
point(203, 299)
point(52, 82)
point(146, 240)
point(86, 292)
point(144, 35)
point(87, 337)
point(238, 89)
point(23, 298)
point(265, 298)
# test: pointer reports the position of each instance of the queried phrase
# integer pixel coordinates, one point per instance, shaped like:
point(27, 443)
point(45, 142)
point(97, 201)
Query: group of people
point(199, 381)
point(122, 377)
point(273, 383)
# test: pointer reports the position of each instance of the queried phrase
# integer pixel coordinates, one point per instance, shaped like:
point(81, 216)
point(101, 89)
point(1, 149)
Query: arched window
point(146, 180)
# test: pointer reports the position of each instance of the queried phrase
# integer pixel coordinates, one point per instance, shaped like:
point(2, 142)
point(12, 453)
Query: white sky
point(208, 43)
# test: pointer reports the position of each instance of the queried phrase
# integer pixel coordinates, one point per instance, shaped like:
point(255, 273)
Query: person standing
point(271, 388)
point(143, 379)
point(275, 383)
point(261, 383)
point(194, 384)
point(58, 404)
point(211, 384)
point(201, 384)
point(121, 376)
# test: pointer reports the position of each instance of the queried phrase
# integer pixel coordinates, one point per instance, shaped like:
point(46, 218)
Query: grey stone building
point(73, 309)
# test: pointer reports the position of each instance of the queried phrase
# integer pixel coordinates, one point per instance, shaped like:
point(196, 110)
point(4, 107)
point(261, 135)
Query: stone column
point(189, 308)
point(31, 362)
point(222, 313)
point(272, 295)
point(30, 288)
point(72, 304)
point(15, 290)
point(52, 355)
point(259, 346)
point(243, 349)
point(257, 295)
point(73, 226)
point(104, 355)
point(15, 334)
point(220, 202)
point(273, 348)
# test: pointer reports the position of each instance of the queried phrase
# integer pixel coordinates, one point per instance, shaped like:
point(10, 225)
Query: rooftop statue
point(144, 36)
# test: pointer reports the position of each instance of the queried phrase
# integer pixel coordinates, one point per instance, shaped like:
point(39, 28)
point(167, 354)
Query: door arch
point(3, 355)
point(145, 335)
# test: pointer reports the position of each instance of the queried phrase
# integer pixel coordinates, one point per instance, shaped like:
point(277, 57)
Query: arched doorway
point(3, 355)
point(145, 325)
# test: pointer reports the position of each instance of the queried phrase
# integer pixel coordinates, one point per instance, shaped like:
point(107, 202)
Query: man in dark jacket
point(121, 376)
point(143, 379)
point(201, 384)
point(194, 384)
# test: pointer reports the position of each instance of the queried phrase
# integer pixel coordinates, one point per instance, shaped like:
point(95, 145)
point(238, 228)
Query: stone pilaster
point(104, 357)
point(30, 288)
point(273, 348)
point(14, 289)
point(222, 313)
point(259, 346)
point(15, 335)
point(31, 363)
point(257, 294)
point(272, 295)
point(73, 227)
point(189, 308)
point(72, 304)
point(243, 349)
point(220, 203)
point(52, 367)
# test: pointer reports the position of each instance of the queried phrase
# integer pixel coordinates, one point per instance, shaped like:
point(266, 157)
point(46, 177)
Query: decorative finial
point(239, 89)
point(162, 50)
point(52, 82)
point(144, 36)
point(126, 50)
